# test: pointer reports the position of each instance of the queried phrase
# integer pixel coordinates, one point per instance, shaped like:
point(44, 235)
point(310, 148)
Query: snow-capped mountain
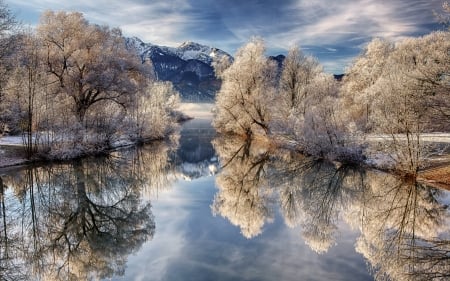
point(188, 67)
point(194, 51)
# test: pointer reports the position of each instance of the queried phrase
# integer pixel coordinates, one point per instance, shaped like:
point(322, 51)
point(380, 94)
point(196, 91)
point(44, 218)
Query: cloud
point(164, 22)
point(334, 22)
point(336, 65)
point(351, 24)
point(229, 24)
point(160, 21)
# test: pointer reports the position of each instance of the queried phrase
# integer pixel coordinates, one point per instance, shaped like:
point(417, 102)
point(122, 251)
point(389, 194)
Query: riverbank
point(437, 172)
point(438, 177)
point(12, 161)
point(11, 152)
point(11, 147)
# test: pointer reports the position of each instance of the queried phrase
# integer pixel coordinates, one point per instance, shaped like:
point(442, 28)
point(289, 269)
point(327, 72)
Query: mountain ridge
point(188, 67)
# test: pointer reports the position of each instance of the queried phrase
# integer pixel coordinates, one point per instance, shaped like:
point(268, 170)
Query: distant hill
point(188, 67)
point(280, 59)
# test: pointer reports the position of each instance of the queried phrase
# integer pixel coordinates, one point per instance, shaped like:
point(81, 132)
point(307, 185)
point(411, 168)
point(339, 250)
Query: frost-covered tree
point(431, 60)
point(411, 96)
point(297, 103)
point(25, 91)
point(296, 81)
point(295, 90)
point(444, 16)
point(89, 63)
point(8, 24)
point(93, 89)
point(321, 131)
point(8, 42)
point(74, 88)
point(243, 104)
point(220, 64)
point(307, 110)
point(154, 111)
point(401, 90)
point(356, 95)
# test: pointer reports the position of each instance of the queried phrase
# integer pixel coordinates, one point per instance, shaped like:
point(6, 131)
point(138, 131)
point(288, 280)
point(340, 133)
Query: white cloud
point(336, 22)
point(327, 23)
point(157, 21)
point(336, 65)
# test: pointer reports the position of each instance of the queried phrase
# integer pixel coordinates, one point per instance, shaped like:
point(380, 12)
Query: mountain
point(188, 67)
point(279, 60)
point(339, 77)
point(196, 156)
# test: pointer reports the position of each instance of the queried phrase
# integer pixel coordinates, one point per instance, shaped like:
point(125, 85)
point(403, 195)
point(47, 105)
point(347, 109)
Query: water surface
point(199, 207)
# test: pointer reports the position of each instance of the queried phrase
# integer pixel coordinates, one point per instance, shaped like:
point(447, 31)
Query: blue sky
point(334, 31)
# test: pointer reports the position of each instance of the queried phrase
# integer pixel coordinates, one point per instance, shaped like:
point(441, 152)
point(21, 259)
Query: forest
point(393, 91)
point(72, 88)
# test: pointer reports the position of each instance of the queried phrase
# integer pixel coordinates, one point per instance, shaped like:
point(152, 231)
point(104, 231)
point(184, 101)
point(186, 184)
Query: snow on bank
point(11, 141)
point(11, 161)
point(197, 110)
point(428, 137)
point(9, 147)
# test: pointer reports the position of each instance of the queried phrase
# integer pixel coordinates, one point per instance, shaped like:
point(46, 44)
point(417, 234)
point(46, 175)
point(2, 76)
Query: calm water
point(166, 211)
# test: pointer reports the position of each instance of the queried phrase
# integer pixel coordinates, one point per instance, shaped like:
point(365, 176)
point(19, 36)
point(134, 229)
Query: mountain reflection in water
point(98, 218)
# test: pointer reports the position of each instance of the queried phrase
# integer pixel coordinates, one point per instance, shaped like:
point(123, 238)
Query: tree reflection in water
point(313, 194)
point(244, 194)
point(81, 220)
point(10, 265)
point(404, 225)
point(404, 231)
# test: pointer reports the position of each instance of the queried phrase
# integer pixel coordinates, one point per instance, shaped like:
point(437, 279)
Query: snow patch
point(11, 141)
point(427, 137)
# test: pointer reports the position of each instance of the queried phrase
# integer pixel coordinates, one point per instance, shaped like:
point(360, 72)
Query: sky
point(334, 31)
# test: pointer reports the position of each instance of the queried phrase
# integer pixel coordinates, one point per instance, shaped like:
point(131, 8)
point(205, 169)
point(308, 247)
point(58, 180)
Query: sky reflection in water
point(267, 215)
point(191, 244)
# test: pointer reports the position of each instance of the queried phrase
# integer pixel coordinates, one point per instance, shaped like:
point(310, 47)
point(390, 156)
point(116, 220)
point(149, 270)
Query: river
point(199, 207)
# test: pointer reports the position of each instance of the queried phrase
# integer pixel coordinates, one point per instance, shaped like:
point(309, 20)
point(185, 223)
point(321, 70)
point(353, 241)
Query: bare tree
point(356, 95)
point(25, 90)
point(154, 111)
point(411, 95)
point(296, 81)
point(90, 63)
point(8, 26)
point(248, 85)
